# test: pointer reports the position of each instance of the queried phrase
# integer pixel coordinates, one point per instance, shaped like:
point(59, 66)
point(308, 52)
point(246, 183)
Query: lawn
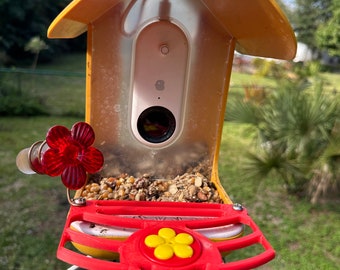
point(33, 208)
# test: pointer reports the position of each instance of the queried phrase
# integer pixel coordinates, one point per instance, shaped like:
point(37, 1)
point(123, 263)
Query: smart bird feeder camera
point(144, 163)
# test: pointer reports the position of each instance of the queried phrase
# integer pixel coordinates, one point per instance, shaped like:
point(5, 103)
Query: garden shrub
point(297, 137)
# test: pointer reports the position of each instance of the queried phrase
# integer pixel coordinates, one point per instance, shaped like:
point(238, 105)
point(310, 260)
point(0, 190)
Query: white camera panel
point(160, 61)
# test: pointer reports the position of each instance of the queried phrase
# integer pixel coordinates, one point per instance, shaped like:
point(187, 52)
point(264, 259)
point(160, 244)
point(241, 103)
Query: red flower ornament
point(71, 155)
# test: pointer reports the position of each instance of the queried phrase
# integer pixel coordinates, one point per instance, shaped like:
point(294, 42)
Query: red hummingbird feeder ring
point(140, 218)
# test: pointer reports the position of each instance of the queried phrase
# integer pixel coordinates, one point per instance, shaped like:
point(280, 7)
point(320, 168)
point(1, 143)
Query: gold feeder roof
point(259, 26)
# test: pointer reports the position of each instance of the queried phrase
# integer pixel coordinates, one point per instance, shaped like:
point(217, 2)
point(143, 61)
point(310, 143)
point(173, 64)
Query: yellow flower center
point(167, 244)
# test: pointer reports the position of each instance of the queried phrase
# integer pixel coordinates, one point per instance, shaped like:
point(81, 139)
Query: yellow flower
point(167, 244)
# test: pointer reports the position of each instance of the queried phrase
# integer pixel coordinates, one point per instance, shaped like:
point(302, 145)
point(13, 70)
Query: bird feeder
point(157, 79)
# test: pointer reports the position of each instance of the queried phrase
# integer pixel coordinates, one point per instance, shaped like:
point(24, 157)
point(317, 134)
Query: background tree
point(20, 21)
point(35, 46)
point(306, 18)
point(328, 33)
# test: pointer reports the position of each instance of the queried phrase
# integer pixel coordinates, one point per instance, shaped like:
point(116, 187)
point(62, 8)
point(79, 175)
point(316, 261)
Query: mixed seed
point(189, 187)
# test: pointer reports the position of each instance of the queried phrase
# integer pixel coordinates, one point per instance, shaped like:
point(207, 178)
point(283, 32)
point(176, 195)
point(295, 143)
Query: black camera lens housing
point(156, 124)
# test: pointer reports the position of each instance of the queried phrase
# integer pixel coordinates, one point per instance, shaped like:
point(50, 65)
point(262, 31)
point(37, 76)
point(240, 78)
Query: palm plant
point(296, 136)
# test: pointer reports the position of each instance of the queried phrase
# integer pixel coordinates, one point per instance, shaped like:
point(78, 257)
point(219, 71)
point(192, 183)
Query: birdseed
point(189, 187)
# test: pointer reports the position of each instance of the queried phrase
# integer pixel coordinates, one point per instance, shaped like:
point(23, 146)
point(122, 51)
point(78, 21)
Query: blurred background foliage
point(21, 21)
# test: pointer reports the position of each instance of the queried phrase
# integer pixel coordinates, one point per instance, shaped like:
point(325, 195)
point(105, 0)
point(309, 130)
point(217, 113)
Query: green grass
point(33, 208)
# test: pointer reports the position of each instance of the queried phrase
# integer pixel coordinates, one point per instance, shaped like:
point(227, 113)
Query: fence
point(61, 92)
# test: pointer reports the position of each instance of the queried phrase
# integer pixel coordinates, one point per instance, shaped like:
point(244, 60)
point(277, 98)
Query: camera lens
point(156, 124)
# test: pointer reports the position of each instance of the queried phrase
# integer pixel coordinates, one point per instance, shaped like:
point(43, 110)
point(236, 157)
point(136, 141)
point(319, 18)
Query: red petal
point(52, 162)
point(83, 133)
point(58, 136)
point(92, 160)
point(74, 177)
